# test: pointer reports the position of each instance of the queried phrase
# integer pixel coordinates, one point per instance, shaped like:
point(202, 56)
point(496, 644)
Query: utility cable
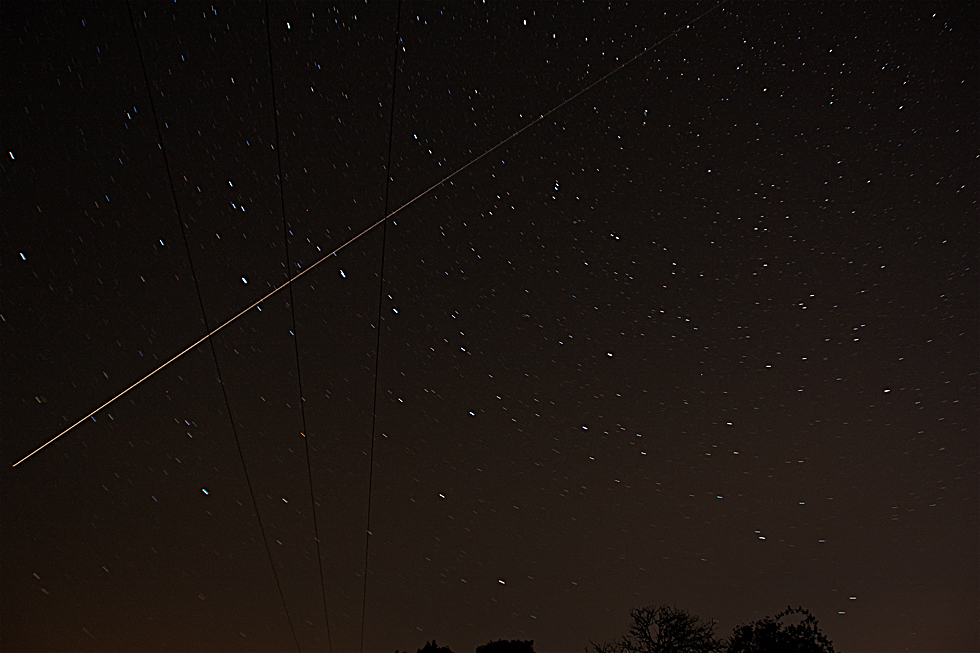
point(292, 311)
point(377, 347)
point(369, 228)
point(214, 354)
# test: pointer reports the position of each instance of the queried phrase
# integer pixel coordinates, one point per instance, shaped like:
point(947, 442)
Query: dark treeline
point(497, 646)
point(666, 629)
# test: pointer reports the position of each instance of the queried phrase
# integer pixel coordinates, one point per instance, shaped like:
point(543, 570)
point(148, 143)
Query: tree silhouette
point(771, 635)
point(507, 646)
point(432, 647)
point(664, 629)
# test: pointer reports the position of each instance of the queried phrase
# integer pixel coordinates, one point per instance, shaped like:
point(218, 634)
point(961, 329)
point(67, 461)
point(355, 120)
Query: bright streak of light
point(373, 226)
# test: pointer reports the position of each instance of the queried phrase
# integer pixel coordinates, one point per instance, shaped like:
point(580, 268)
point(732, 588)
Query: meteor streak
point(373, 226)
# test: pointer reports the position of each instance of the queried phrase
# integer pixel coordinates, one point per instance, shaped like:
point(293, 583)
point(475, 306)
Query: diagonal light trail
point(376, 224)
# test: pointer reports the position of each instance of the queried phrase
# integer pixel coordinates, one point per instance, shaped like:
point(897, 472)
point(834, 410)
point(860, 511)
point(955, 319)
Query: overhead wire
point(200, 299)
point(295, 331)
point(363, 232)
point(377, 347)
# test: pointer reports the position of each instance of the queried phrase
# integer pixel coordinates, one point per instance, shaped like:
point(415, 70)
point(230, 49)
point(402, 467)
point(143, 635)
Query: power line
point(200, 300)
point(368, 229)
point(377, 348)
point(292, 311)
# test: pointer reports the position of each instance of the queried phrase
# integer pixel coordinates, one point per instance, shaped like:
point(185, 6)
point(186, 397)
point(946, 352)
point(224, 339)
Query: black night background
point(705, 335)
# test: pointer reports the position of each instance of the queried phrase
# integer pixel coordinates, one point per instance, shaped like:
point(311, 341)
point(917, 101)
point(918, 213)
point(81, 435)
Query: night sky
point(706, 335)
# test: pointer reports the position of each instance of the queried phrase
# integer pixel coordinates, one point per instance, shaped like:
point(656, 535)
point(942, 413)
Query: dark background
point(727, 294)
